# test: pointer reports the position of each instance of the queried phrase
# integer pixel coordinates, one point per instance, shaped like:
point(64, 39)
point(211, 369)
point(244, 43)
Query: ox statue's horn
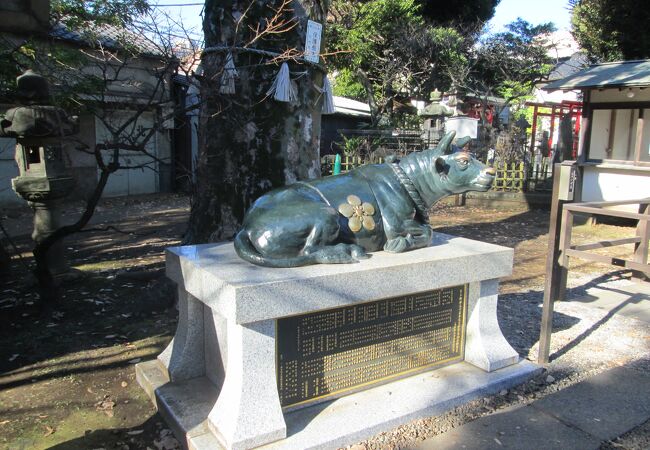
point(445, 142)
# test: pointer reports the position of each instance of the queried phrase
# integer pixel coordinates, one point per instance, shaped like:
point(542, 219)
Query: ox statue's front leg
point(411, 235)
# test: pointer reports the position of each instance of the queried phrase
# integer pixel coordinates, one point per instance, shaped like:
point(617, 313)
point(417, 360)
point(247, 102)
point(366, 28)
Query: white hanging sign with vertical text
point(312, 41)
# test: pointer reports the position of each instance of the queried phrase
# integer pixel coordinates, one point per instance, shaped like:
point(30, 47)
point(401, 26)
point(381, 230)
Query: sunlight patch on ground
point(115, 264)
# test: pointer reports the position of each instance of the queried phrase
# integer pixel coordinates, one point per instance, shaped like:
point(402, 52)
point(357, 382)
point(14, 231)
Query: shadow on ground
point(520, 314)
point(141, 437)
point(121, 297)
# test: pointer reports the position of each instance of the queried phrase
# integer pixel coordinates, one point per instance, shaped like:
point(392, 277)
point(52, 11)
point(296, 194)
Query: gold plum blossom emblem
point(359, 214)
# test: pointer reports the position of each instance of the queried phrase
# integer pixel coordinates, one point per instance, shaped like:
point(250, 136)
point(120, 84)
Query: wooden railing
point(557, 265)
point(640, 260)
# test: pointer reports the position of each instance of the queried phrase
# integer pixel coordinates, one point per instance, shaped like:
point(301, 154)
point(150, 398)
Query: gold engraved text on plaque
point(327, 353)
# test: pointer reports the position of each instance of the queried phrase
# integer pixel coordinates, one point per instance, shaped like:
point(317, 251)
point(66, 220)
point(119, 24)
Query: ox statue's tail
point(328, 254)
point(246, 251)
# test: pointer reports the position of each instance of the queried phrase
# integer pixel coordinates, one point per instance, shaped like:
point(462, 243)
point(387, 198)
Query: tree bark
point(250, 143)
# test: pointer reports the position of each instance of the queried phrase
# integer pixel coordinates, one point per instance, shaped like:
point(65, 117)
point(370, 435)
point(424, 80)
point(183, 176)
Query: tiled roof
point(108, 36)
point(607, 75)
point(569, 66)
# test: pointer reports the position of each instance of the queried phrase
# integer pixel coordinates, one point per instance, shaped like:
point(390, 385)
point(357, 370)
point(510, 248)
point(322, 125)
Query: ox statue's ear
point(441, 166)
point(445, 143)
point(462, 142)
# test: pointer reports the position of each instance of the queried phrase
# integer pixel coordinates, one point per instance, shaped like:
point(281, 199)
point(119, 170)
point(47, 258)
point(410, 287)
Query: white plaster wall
point(137, 80)
point(609, 184)
point(542, 96)
point(645, 142)
point(624, 136)
point(599, 134)
point(123, 182)
point(131, 181)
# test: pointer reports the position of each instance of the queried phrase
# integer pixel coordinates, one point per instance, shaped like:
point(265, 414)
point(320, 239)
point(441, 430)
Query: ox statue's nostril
point(490, 171)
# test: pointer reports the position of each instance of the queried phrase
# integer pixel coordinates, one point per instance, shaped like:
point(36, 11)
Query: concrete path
point(632, 300)
point(580, 417)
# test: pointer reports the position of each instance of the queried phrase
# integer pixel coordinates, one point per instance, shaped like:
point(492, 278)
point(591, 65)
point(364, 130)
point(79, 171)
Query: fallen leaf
point(4, 422)
point(49, 430)
point(134, 432)
point(14, 356)
point(106, 405)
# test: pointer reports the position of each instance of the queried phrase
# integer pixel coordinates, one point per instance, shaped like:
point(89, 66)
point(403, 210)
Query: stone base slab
point(340, 422)
point(217, 380)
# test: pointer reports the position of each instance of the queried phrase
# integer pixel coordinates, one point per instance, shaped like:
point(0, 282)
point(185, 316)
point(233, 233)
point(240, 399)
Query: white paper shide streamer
point(228, 76)
point(282, 89)
point(328, 98)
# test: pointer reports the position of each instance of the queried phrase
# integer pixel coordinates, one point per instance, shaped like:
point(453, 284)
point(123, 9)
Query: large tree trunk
point(250, 143)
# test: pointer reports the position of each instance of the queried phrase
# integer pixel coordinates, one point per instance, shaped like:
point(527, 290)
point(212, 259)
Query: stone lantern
point(434, 116)
point(39, 129)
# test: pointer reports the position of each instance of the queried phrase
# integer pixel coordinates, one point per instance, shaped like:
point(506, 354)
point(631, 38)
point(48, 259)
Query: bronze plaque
point(327, 353)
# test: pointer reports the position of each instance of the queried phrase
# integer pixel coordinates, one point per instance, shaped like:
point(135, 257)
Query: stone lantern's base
point(43, 195)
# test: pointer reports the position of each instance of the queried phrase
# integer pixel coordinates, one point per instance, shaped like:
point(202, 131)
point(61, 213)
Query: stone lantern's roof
point(436, 110)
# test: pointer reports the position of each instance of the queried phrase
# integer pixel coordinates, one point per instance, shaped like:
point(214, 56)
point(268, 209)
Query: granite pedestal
point(216, 382)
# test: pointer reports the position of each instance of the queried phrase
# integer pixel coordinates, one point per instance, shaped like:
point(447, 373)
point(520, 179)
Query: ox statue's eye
point(463, 163)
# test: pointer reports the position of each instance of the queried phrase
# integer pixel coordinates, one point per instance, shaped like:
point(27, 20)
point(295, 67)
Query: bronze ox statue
point(338, 219)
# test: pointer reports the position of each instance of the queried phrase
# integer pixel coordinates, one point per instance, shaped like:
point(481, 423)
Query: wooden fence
point(347, 163)
point(510, 177)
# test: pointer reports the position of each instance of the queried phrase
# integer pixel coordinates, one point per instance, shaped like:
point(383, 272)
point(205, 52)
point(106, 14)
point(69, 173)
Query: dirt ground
point(66, 377)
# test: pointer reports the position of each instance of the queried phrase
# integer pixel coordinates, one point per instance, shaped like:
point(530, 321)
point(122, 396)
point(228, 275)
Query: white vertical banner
point(312, 41)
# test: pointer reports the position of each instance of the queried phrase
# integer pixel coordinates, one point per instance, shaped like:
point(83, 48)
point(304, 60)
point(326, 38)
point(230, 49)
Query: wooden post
point(641, 248)
point(609, 151)
point(639, 137)
point(566, 228)
point(585, 132)
point(556, 270)
point(533, 132)
point(550, 137)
